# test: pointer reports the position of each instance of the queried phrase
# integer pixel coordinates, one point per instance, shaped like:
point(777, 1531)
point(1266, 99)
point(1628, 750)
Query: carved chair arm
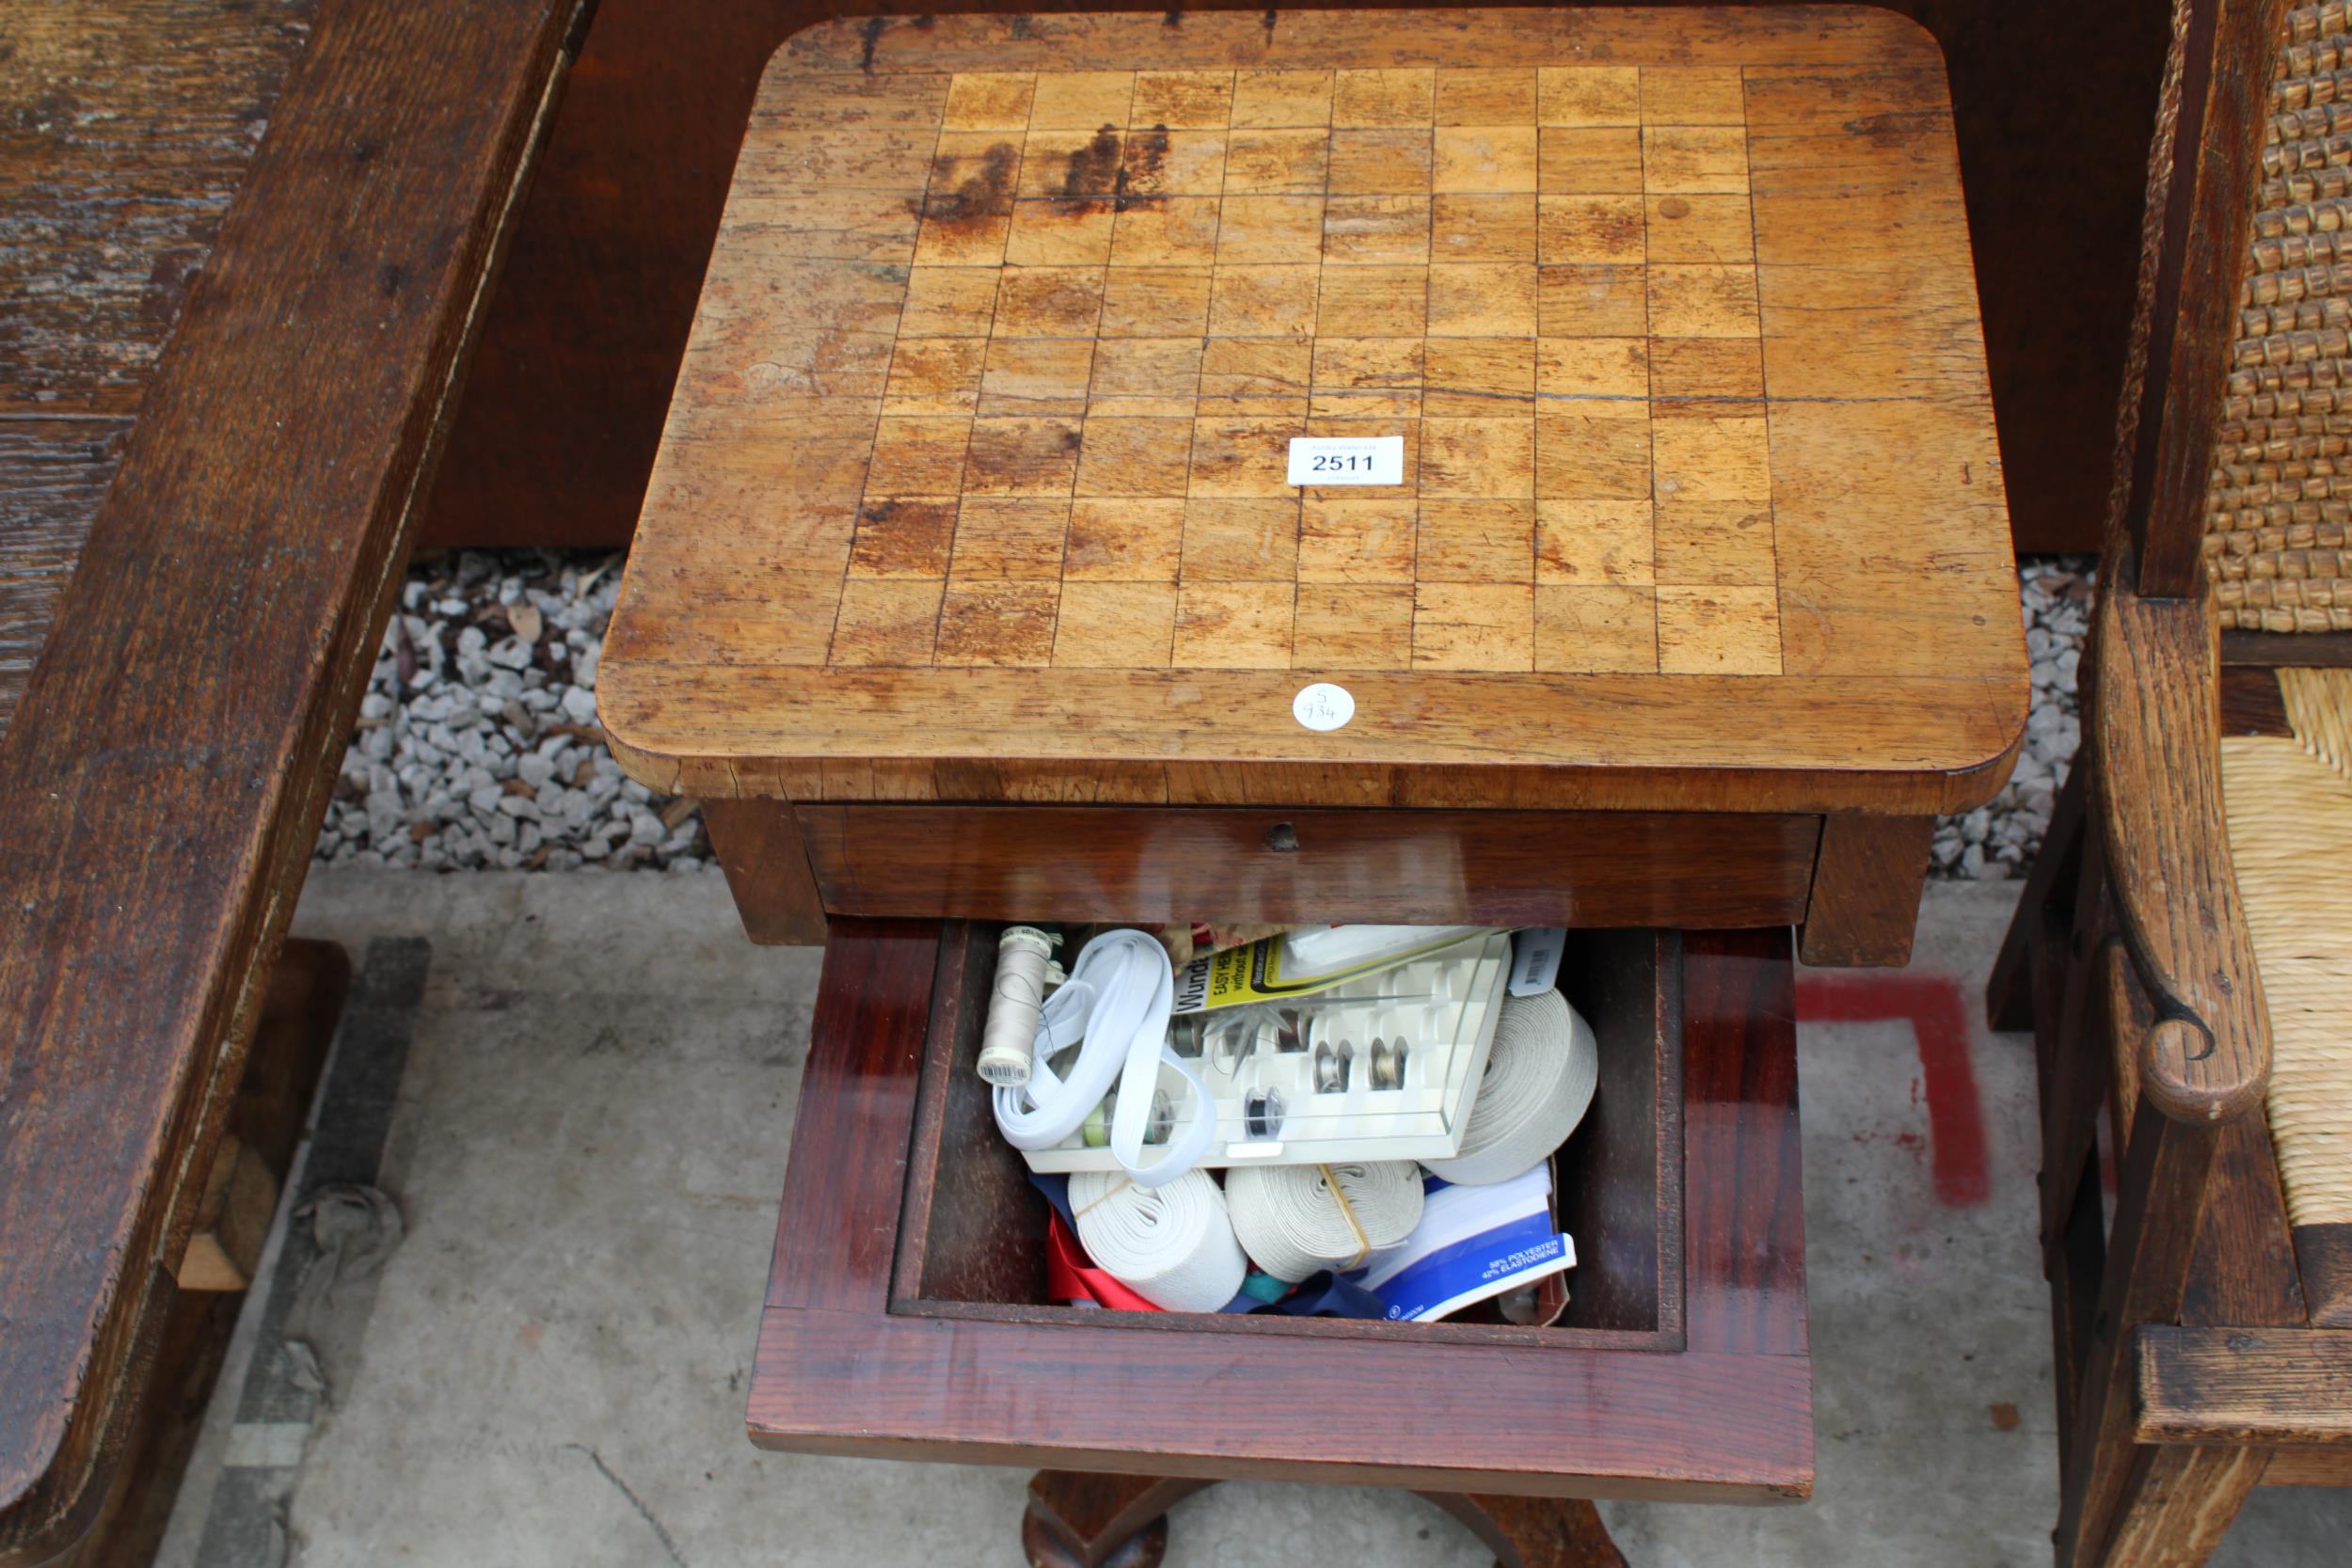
point(2157, 770)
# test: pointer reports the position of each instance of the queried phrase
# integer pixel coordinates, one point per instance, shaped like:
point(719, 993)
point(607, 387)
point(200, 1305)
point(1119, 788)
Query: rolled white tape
point(1539, 1079)
point(1289, 1224)
point(1171, 1245)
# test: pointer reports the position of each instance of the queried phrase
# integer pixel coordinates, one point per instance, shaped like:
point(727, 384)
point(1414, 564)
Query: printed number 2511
point(1340, 462)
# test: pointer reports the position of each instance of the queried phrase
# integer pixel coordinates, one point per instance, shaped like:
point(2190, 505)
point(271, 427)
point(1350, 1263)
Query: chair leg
point(2177, 1503)
point(2043, 911)
point(2074, 1061)
point(2074, 1262)
point(2160, 1190)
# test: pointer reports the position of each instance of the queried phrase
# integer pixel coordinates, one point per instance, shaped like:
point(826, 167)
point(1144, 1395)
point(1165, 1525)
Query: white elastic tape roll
point(1289, 1223)
point(1539, 1078)
point(1171, 1245)
point(1116, 1002)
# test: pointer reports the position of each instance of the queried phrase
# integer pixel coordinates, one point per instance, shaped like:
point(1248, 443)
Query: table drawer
point(1089, 863)
point(905, 1314)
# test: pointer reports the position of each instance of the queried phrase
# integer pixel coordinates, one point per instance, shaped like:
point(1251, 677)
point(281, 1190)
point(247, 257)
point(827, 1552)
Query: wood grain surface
point(1535, 1533)
point(2249, 1386)
point(1026, 310)
point(1866, 890)
point(874, 1004)
point(125, 127)
point(2308, 1468)
point(1418, 867)
point(53, 473)
point(169, 765)
point(1080, 1520)
point(759, 846)
point(282, 1072)
point(1743, 1205)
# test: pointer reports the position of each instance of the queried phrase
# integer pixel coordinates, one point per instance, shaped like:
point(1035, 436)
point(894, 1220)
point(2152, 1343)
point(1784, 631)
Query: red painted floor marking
point(1938, 1015)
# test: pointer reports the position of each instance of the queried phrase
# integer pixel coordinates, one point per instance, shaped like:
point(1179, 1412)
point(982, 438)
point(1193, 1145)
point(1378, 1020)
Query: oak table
point(972, 582)
point(969, 563)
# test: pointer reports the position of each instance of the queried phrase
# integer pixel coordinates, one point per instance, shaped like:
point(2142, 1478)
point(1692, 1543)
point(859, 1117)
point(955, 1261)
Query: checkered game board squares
point(1131, 290)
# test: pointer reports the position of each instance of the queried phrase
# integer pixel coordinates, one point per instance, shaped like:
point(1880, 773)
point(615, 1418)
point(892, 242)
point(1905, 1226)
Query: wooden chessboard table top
point(974, 482)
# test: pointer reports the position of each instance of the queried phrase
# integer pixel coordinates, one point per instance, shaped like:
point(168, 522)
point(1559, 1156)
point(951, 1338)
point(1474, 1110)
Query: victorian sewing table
point(972, 585)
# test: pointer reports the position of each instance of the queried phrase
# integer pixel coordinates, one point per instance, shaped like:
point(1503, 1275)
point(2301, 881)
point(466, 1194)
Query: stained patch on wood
point(1147, 157)
point(1093, 169)
point(987, 193)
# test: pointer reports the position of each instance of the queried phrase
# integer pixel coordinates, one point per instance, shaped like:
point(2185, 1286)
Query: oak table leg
point(1077, 1520)
point(759, 845)
point(1866, 890)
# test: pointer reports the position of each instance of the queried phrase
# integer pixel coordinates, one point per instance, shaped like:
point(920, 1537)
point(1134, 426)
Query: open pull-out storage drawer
point(906, 1314)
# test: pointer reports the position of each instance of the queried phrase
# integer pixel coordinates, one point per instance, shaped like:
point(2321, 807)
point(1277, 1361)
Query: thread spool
point(1540, 1075)
point(1295, 1220)
point(1009, 1038)
point(1171, 1245)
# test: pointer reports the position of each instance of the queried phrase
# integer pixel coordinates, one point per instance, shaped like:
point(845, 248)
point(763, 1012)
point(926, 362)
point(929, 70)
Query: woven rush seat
point(2286, 797)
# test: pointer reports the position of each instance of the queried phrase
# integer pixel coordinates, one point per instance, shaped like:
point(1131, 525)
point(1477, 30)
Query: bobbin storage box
point(1445, 1001)
point(906, 1313)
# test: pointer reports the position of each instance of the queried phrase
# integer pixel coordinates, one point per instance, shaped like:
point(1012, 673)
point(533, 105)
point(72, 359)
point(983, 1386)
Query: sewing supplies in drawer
point(1383, 1101)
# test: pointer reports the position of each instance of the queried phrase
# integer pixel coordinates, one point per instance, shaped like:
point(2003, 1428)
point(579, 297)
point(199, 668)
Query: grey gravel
point(478, 746)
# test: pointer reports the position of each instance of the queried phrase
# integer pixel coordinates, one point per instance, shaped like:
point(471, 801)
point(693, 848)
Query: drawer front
point(905, 1318)
point(1692, 870)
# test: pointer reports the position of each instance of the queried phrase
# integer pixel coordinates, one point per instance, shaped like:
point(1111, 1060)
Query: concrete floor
point(587, 1145)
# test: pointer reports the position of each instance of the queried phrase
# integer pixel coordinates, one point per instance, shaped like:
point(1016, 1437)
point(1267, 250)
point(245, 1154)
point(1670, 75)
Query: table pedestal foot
point(1078, 1520)
point(1535, 1533)
point(1081, 1520)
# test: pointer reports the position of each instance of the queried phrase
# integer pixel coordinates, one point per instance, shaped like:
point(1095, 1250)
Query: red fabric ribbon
point(1071, 1275)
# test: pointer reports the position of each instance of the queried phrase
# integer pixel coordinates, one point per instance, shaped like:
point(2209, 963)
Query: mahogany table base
point(1081, 1520)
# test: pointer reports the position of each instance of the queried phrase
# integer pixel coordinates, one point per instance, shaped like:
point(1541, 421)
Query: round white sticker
point(1323, 705)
